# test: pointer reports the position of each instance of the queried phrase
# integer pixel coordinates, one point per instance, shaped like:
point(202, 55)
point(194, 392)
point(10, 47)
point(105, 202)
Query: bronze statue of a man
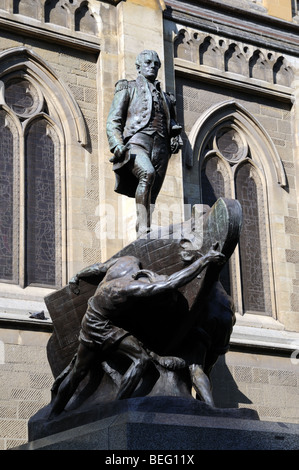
point(142, 134)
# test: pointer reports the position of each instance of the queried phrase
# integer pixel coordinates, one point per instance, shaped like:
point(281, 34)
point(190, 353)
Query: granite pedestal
point(163, 423)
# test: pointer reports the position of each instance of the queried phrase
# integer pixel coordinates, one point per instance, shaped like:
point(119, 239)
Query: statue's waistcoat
point(140, 107)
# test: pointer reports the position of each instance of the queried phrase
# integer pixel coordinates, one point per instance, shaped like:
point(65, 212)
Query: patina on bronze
point(127, 290)
point(142, 134)
point(151, 321)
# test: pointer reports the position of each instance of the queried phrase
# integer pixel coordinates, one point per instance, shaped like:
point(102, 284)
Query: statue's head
point(124, 266)
point(148, 64)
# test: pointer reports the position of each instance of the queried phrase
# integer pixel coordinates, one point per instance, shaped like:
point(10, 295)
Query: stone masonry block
point(12, 428)
point(292, 256)
point(280, 377)
point(291, 225)
point(295, 302)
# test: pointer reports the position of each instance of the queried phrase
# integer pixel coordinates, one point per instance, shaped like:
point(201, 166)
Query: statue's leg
point(145, 173)
point(197, 354)
point(159, 158)
point(131, 348)
point(201, 384)
point(68, 386)
point(62, 376)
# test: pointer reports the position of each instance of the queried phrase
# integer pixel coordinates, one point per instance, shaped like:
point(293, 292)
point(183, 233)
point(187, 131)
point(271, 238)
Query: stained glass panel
point(6, 200)
point(40, 206)
point(250, 242)
point(212, 182)
point(213, 187)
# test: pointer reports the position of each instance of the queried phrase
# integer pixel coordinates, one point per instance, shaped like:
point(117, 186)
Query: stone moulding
point(233, 81)
point(236, 23)
point(45, 31)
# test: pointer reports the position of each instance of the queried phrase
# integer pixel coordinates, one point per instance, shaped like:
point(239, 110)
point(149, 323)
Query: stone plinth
point(163, 431)
point(160, 423)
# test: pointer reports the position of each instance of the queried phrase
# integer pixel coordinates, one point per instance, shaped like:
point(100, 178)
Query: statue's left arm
point(172, 107)
point(176, 142)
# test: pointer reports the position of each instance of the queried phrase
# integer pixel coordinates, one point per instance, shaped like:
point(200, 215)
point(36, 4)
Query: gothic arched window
point(29, 183)
point(40, 122)
point(231, 166)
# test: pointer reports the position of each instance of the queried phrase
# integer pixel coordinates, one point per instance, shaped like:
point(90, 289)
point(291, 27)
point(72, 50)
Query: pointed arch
point(266, 155)
point(85, 20)
point(68, 113)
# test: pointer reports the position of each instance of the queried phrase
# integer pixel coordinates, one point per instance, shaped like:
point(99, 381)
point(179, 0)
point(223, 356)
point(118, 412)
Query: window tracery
point(229, 167)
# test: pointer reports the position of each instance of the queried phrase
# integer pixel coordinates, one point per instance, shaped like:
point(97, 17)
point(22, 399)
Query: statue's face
point(149, 66)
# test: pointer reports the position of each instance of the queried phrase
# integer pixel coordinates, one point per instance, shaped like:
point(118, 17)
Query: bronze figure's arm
point(176, 280)
point(117, 118)
point(96, 269)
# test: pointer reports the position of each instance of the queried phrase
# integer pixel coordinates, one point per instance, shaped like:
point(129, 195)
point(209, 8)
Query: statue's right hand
point(215, 256)
point(119, 153)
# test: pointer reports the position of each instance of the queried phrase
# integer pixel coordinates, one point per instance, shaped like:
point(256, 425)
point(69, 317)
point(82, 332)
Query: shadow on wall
point(226, 393)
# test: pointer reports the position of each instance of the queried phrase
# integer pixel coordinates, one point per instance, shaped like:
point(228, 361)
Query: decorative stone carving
point(230, 56)
point(230, 143)
point(235, 60)
point(259, 67)
point(31, 8)
point(282, 73)
point(23, 97)
point(210, 53)
point(57, 12)
point(78, 15)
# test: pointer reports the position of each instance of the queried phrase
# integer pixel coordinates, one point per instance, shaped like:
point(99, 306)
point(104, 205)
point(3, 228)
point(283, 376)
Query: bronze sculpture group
point(166, 327)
